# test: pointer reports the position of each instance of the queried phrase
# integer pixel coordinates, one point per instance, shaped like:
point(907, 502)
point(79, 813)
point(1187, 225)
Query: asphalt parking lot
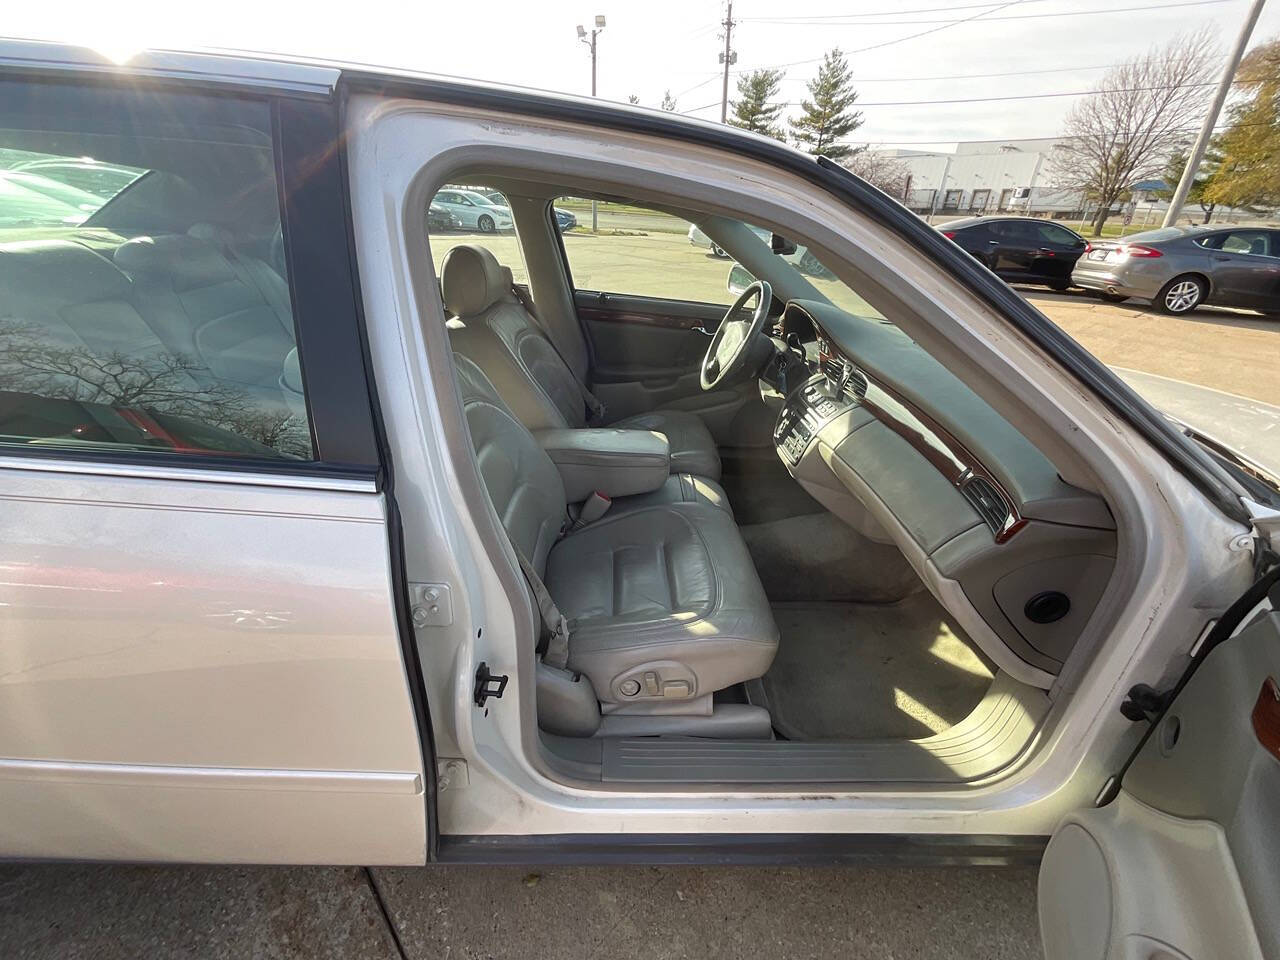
point(112, 913)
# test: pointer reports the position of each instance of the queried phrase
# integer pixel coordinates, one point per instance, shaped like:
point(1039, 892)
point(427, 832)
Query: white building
point(986, 177)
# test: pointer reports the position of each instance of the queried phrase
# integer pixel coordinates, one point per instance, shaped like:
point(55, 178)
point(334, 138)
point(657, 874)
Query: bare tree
point(884, 173)
point(1139, 112)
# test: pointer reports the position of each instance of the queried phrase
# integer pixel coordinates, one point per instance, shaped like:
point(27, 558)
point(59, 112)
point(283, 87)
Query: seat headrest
point(472, 280)
point(188, 261)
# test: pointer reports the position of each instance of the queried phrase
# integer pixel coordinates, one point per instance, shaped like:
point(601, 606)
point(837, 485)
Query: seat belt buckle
point(593, 508)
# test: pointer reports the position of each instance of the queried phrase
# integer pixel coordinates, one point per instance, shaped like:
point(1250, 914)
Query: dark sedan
point(1020, 249)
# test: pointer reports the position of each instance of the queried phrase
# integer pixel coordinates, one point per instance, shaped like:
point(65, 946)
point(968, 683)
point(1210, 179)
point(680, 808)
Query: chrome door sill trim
point(189, 474)
point(230, 778)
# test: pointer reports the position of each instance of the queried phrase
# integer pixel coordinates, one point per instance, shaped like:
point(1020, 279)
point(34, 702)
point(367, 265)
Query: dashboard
point(903, 451)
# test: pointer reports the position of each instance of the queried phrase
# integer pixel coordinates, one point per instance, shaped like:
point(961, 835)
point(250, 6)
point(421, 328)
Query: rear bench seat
point(167, 297)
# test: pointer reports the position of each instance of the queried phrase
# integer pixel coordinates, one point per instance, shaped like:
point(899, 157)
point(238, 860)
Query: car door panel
point(1240, 278)
point(647, 354)
point(1185, 862)
point(201, 671)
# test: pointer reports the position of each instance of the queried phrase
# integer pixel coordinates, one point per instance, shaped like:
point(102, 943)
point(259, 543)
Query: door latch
point(1144, 702)
point(488, 685)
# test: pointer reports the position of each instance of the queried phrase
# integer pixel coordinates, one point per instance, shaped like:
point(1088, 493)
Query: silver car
point(1180, 268)
point(327, 540)
point(474, 210)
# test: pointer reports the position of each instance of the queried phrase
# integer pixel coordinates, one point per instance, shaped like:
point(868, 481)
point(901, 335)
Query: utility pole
point(933, 204)
point(1211, 118)
point(583, 38)
point(728, 58)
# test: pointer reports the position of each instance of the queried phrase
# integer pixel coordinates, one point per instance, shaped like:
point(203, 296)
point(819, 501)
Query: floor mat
point(856, 671)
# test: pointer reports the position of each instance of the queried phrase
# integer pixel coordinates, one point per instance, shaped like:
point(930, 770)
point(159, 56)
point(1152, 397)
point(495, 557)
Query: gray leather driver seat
point(494, 329)
point(663, 601)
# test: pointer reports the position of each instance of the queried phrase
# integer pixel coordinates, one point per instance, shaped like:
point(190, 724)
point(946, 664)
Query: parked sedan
point(1179, 268)
point(565, 221)
point(438, 218)
point(1020, 249)
point(474, 210)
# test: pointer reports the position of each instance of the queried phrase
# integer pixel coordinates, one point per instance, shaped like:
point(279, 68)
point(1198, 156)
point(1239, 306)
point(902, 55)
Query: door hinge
point(432, 604)
point(451, 774)
point(489, 685)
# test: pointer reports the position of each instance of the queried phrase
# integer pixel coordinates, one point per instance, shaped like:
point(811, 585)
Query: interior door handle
point(702, 330)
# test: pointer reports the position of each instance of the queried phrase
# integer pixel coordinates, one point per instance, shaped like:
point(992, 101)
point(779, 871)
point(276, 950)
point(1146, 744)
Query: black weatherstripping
point(314, 221)
point(743, 849)
point(1193, 463)
point(395, 524)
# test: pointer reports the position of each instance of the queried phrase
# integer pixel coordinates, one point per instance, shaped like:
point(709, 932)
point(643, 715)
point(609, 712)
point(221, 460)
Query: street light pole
point(583, 38)
point(1211, 118)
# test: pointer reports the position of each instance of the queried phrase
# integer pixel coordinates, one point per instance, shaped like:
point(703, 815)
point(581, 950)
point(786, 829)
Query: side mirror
point(781, 245)
point(739, 279)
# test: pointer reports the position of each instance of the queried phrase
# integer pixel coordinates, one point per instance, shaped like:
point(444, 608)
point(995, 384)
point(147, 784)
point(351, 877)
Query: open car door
point(1182, 860)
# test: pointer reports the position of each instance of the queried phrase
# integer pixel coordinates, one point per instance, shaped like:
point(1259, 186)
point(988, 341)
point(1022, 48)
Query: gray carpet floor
point(863, 671)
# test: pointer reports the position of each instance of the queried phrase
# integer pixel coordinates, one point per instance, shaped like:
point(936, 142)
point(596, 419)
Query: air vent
point(832, 368)
point(857, 385)
point(985, 498)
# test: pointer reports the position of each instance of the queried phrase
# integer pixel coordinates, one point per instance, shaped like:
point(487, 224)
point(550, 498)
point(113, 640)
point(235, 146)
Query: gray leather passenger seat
point(495, 330)
point(664, 603)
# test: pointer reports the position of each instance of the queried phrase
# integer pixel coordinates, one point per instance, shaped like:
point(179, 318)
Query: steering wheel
point(732, 341)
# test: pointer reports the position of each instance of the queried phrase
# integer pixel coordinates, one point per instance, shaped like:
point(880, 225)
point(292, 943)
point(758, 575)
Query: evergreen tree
point(829, 117)
point(632, 98)
point(752, 110)
point(668, 101)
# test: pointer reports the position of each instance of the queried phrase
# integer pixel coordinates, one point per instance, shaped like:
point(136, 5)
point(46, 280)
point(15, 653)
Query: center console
point(822, 398)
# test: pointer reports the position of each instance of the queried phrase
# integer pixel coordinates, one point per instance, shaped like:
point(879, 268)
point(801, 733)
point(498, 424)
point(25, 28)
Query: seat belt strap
point(595, 408)
point(555, 626)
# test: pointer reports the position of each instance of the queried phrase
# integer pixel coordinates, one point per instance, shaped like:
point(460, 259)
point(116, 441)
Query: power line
point(1013, 96)
point(838, 20)
point(1054, 136)
point(877, 13)
point(944, 26)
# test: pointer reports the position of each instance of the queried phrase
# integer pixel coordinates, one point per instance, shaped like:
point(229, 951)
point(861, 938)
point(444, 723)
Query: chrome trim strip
point(229, 778)
point(219, 68)
point(189, 474)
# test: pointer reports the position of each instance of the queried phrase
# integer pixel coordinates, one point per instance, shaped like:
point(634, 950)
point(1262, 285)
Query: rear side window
point(1052, 233)
point(144, 300)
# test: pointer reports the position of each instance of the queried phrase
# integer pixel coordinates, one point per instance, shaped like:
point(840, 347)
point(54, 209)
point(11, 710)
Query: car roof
point(300, 76)
point(974, 221)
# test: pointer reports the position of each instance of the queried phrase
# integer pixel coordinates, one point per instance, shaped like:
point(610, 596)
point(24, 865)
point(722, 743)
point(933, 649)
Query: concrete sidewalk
point(111, 913)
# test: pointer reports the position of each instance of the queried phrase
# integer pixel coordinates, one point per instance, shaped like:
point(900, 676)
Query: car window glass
point(143, 300)
point(1251, 241)
point(1009, 230)
point(1051, 233)
point(639, 251)
point(484, 225)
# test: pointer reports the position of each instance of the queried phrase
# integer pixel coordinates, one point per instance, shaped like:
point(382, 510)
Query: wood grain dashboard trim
point(948, 455)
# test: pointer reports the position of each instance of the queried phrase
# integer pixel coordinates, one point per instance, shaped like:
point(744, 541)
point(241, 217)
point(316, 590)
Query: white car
point(316, 549)
point(699, 239)
point(474, 210)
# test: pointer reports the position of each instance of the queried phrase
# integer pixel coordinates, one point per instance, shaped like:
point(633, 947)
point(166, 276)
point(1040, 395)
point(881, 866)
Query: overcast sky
point(655, 45)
